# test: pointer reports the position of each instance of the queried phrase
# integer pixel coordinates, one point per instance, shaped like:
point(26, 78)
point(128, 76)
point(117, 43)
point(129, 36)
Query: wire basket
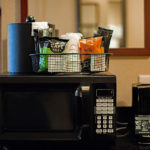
point(70, 62)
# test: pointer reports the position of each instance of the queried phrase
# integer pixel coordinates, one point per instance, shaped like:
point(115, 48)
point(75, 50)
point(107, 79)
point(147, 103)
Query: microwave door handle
point(86, 106)
point(83, 99)
point(78, 99)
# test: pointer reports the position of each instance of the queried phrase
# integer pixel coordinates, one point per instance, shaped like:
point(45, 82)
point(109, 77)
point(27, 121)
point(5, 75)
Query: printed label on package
point(142, 124)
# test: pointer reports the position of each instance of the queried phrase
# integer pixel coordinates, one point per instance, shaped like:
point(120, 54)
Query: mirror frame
point(115, 51)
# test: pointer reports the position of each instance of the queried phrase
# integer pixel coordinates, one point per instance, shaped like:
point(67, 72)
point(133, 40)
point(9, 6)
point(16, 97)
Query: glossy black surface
point(26, 79)
point(127, 142)
point(103, 77)
point(120, 144)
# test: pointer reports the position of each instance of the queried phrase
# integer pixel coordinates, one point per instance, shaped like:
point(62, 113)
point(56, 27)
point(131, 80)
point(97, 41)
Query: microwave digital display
point(50, 110)
point(104, 92)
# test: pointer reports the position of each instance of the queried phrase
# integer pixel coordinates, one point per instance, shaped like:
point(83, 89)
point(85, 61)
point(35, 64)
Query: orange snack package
point(90, 45)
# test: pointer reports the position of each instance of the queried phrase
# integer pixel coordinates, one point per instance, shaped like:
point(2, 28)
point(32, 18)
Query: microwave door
point(47, 112)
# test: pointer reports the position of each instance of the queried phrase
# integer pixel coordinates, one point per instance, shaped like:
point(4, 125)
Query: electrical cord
point(122, 135)
point(121, 123)
point(122, 130)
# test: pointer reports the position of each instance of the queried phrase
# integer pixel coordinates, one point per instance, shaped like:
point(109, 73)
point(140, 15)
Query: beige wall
point(58, 12)
point(126, 68)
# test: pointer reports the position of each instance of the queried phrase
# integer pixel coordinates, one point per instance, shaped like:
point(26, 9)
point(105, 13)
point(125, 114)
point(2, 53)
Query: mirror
point(86, 15)
point(120, 15)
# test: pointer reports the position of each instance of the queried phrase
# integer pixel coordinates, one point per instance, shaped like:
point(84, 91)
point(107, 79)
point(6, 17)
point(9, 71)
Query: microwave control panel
point(104, 112)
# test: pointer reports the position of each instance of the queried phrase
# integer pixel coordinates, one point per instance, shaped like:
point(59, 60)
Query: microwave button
point(110, 108)
point(105, 100)
point(99, 131)
point(98, 117)
point(101, 100)
point(104, 117)
point(104, 112)
point(98, 126)
point(104, 104)
point(110, 131)
point(98, 100)
point(110, 100)
point(110, 117)
point(110, 126)
point(104, 108)
point(104, 121)
point(110, 112)
point(104, 131)
point(110, 104)
point(98, 121)
point(105, 126)
point(110, 121)
point(99, 104)
point(99, 112)
point(99, 108)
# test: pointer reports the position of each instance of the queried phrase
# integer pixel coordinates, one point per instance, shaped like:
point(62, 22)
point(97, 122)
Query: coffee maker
point(21, 43)
point(141, 112)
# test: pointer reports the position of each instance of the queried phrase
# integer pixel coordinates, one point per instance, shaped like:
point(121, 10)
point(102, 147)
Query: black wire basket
point(70, 62)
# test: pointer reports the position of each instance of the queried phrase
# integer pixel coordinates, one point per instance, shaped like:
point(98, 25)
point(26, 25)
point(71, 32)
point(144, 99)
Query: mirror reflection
point(125, 17)
point(103, 13)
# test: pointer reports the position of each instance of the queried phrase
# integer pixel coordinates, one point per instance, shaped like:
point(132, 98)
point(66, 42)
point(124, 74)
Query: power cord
point(122, 130)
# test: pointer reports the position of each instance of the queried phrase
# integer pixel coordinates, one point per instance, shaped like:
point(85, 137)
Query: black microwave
point(57, 108)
